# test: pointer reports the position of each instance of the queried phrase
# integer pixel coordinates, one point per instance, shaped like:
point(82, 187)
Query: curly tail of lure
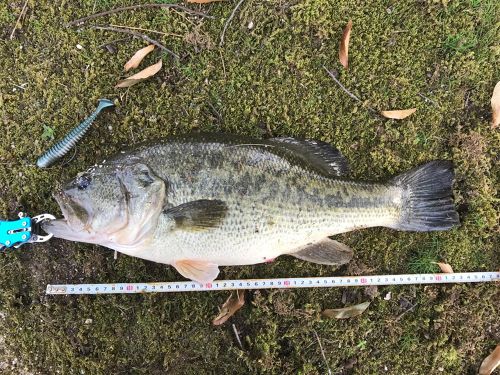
point(63, 146)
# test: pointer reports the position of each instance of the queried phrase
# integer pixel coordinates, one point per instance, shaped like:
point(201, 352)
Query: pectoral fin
point(198, 215)
point(327, 251)
point(197, 270)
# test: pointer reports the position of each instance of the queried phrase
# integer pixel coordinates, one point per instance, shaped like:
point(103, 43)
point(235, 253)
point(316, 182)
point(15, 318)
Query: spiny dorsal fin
point(326, 251)
point(198, 215)
point(321, 155)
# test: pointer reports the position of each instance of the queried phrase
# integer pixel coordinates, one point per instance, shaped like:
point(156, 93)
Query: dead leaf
point(491, 362)
point(372, 291)
point(398, 114)
point(344, 45)
point(233, 304)
point(346, 312)
point(445, 267)
point(202, 1)
point(495, 106)
point(141, 76)
point(138, 57)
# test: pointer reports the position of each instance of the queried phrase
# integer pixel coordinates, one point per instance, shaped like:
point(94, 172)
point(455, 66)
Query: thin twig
point(237, 336)
point(404, 312)
point(184, 17)
point(223, 65)
point(341, 85)
point(148, 30)
point(114, 41)
point(132, 134)
point(22, 86)
point(18, 20)
point(348, 92)
point(228, 21)
point(133, 7)
point(322, 352)
point(10, 163)
point(428, 99)
point(137, 35)
point(219, 117)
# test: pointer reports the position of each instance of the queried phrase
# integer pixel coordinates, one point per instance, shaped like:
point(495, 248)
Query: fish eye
point(83, 181)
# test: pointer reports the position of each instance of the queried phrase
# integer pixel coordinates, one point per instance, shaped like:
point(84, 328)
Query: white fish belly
point(243, 241)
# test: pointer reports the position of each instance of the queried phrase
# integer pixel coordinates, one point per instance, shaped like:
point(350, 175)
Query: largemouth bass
point(200, 202)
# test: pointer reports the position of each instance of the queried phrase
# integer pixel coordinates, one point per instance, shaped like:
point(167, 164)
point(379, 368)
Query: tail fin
point(427, 202)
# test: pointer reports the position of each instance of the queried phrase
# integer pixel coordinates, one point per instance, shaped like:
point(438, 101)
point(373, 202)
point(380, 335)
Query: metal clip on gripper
point(24, 230)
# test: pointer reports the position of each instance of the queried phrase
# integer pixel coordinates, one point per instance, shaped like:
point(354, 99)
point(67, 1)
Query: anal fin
point(197, 270)
point(326, 251)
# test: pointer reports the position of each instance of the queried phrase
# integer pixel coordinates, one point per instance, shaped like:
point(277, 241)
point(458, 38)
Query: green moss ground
point(267, 80)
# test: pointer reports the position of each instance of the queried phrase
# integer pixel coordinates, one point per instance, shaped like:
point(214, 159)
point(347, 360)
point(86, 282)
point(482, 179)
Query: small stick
point(148, 30)
point(428, 99)
point(114, 41)
point(223, 65)
point(133, 7)
point(404, 312)
point(322, 352)
point(228, 21)
point(341, 85)
point(137, 35)
point(183, 16)
point(18, 20)
point(237, 336)
point(22, 86)
point(348, 92)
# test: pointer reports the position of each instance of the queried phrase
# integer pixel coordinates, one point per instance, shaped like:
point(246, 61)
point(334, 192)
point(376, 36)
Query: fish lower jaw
point(61, 228)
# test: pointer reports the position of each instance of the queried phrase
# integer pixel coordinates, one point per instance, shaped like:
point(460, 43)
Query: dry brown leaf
point(346, 312)
point(398, 114)
point(138, 57)
point(491, 362)
point(141, 76)
point(233, 304)
point(445, 267)
point(495, 106)
point(202, 1)
point(344, 45)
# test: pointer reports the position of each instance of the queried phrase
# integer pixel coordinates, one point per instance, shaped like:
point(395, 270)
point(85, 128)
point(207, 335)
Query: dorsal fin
point(323, 156)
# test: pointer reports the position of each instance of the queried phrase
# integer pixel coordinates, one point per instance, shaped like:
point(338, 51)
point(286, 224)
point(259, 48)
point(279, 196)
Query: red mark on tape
point(208, 285)
point(130, 287)
point(286, 282)
point(364, 280)
point(439, 277)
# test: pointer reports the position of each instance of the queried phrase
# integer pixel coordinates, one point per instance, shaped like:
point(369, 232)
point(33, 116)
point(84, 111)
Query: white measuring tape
point(280, 283)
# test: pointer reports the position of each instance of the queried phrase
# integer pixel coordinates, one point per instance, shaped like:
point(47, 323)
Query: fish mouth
point(75, 216)
point(72, 227)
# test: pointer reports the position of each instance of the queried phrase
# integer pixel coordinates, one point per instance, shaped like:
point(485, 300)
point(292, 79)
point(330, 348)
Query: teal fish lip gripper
point(26, 229)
